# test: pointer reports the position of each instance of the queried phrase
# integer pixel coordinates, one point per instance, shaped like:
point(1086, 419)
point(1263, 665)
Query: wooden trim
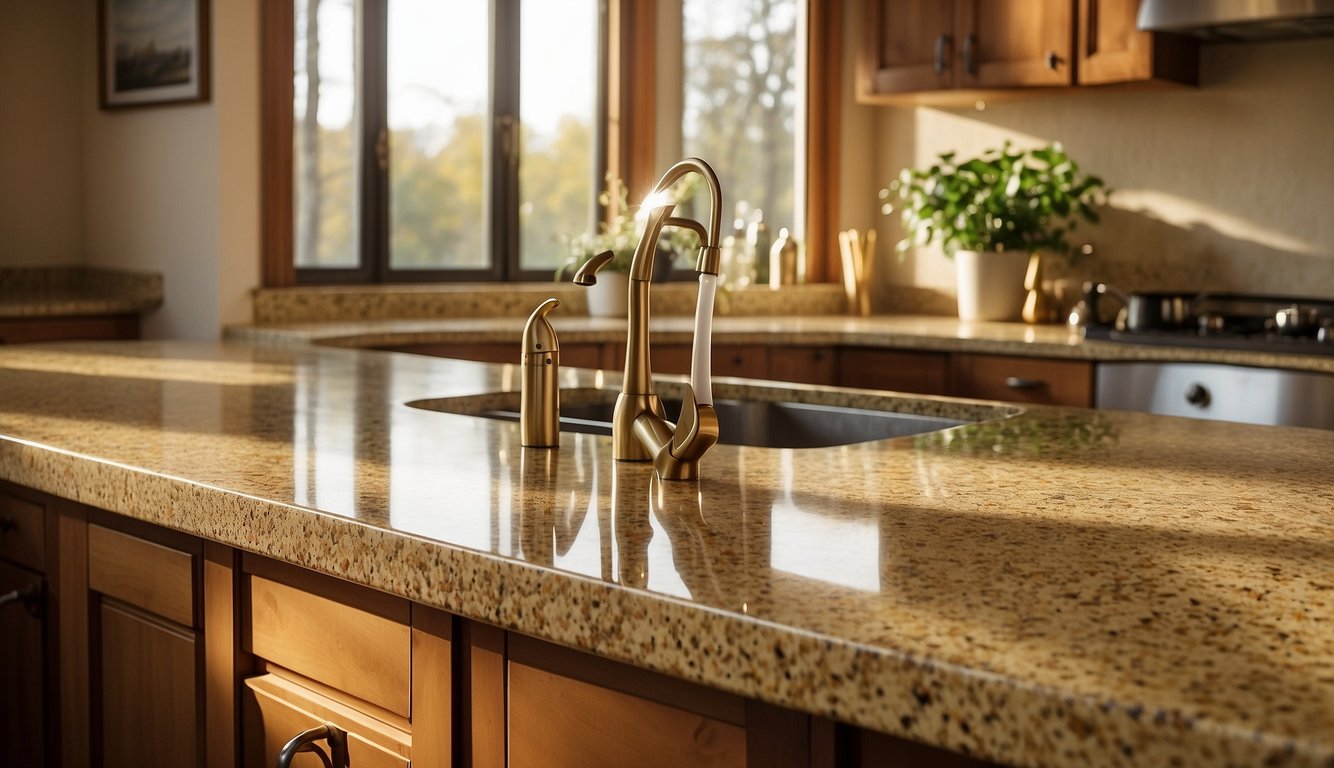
point(632, 51)
point(777, 737)
point(627, 679)
point(222, 658)
point(88, 327)
point(143, 574)
point(481, 686)
point(432, 686)
point(824, 99)
point(277, 267)
point(71, 589)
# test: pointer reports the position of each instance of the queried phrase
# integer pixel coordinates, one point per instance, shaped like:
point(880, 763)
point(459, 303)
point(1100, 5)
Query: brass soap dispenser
point(539, 411)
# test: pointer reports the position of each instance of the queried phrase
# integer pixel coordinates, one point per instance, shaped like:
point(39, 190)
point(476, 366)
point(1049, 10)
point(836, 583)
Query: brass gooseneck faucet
point(640, 429)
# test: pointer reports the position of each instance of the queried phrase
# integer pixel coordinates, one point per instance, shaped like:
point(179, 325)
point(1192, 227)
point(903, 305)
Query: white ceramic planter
point(990, 284)
point(608, 296)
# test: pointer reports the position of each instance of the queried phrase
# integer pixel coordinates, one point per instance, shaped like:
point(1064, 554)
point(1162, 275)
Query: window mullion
point(503, 197)
point(375, 147)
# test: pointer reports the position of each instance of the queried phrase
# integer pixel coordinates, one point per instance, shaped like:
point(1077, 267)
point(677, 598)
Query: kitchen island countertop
point(1060, 586)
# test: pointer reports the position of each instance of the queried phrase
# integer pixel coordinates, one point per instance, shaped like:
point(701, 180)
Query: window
point(419, 140)
point(442, 140)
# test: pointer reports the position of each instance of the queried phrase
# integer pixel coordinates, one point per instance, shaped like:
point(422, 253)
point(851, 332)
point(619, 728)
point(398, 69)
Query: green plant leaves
point(1000, 200)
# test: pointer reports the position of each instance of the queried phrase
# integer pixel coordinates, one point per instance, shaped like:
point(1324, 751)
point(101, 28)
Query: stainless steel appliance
point(1281, 325)
point(1239, 19)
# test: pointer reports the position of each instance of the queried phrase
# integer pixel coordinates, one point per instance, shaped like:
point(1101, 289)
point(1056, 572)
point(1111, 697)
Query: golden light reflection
point(1184, 212)
point(222, 372)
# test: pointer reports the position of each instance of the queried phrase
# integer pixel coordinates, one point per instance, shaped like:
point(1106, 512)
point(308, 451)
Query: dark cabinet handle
point(1016, 382)
point(1052, 60)
point(969, 65)
point(941, 42)
point(1198, 395)
point(306, 741)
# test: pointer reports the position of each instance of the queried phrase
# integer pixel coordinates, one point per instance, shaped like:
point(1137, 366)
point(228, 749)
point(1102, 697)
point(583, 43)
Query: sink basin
point(763, 423)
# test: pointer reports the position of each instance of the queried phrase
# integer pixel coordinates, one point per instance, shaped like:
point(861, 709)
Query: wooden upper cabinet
point(1014, 43)
point(908, 47)
point(1113, 50)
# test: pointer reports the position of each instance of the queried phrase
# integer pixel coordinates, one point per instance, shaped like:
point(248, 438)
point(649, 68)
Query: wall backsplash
point(1226, 187)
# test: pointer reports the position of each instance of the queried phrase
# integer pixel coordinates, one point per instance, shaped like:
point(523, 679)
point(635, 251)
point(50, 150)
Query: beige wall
point(40, 172)
point(1225, 187)
point(172, 190)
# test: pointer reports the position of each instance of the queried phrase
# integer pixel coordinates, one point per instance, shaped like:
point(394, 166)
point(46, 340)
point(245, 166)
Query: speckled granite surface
point(76, 291)
point(922, 332)
point(1062, 587)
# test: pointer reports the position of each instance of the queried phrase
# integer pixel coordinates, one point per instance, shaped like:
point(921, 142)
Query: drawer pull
point(306, 741)
point(1017, 382)
point(30, 596)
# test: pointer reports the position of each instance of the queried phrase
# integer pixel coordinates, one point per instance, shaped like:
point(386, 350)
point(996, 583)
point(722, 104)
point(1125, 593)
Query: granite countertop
point(919, 332)
point(1059, 587)
point(38, 292)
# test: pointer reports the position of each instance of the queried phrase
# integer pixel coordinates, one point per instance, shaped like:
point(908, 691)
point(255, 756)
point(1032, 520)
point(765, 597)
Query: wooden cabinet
point(804, 364)
point(1023, 379)
point(916, 46)
point(575, 355)
point(91, 328)
point(1112, 50)
point(920, 48)
point(374, 666)
point(892, 369)
point(146, 651)
point(23, 682)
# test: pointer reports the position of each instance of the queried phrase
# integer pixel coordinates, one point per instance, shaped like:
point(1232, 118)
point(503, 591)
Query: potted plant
point(620, 235)
point(991, 214)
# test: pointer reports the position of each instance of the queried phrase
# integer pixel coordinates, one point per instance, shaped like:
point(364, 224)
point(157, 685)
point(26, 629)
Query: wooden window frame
point(625, 144)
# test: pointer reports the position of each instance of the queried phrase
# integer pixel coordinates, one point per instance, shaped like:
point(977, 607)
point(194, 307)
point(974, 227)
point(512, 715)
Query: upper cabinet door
point(908, 47)
point(1113, 50)
point(1014, 43)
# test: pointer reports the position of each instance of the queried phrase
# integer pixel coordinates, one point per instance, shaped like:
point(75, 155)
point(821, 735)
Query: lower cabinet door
point(22, 704)
point(149, 708)
point(277, 709)
point(559, 722)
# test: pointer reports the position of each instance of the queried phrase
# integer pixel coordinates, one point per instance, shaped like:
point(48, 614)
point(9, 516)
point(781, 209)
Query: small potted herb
point(992, 213)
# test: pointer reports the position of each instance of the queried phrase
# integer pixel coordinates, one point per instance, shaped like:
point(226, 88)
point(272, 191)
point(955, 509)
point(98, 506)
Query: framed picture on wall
point(152, 52)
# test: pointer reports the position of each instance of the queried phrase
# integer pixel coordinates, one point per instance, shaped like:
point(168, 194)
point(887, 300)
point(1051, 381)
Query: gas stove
point(1225, 321)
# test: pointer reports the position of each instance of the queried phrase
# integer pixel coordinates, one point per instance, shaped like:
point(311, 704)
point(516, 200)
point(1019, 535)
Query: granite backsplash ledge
point(310, 304)
point(76, 290)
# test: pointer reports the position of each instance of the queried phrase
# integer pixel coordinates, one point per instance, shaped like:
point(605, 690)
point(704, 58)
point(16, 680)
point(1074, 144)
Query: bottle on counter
point(757, 242)
point(783, 260)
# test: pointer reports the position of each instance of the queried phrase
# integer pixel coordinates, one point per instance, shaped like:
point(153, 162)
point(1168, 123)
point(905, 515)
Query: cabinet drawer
point(150, 576)
point(22, 533)
point(556, 721)
point(354, 651)
point(1024, 379)
point(900, 371)
point(276, 709)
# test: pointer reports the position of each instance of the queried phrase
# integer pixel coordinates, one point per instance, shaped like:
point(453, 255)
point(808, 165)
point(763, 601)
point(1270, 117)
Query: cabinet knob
point(1052, 60)
point(306, 741)
point(1017, 382)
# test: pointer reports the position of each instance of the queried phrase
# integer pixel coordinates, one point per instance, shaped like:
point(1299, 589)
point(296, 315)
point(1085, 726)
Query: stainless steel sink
point(761, 423)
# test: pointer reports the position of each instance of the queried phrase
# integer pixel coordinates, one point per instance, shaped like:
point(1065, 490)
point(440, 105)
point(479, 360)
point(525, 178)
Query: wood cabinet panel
point(432, 687)
point(803, 364)
point(1111, 48)
point(909, 46)
point(22, 532)
point(360, 653)
point(895, 370)
point(1014, 43)
point(556, 721)
point(276, 709)
point(146, 575)
point(148, 709)
point(23, 700)
point(91, 328)
point(1023, 379)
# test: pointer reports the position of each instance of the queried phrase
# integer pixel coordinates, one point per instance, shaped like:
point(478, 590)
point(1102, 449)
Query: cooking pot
point(1160, 311)
point(1297, 320)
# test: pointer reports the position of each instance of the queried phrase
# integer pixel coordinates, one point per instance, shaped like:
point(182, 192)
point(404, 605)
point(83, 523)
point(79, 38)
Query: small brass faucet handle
point(539, 405)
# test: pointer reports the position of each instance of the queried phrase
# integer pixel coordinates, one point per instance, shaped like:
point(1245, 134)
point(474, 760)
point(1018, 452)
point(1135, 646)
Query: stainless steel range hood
point(1239, 19)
